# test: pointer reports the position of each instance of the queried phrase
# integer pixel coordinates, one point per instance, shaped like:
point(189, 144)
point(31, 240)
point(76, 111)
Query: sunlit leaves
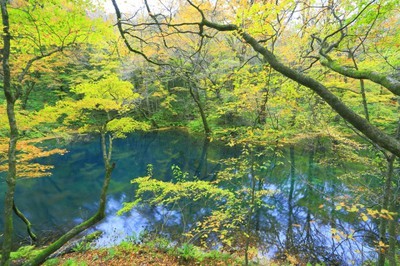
point(120, 127)
point(110, 88)
point(45, 34)
point(364, 213)
point(27, 152)
point(104, 106)
point(42, 25)
point(230, 199)
point(260, 18)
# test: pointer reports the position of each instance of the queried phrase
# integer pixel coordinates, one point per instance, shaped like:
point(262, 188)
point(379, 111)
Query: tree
point(339, 46)
point(48, 38)
point(40, 31)
point(103, 108)
point(12, 161)
point(204, 28)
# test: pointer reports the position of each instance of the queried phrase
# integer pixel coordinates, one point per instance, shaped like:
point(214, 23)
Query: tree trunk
point(26, 94)
point(12, 149)
point(100, 214)
point(393, 227)
point(376, 135)
point(364, 99)
point(196, 98)
point(289, 243)
point(387, 195)
point(362, 87)
point(262, 115)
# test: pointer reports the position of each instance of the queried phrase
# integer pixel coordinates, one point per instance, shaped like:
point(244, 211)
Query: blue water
point(70, 194)
point(55, 204)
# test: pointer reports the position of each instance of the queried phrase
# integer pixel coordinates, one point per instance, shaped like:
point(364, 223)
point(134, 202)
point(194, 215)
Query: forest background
point(320, 74)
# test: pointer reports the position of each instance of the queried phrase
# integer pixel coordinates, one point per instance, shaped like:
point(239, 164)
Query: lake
point(299, 216)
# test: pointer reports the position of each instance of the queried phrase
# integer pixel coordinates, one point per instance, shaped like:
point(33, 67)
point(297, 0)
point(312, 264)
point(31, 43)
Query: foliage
point(29, 148)
point(46, 36)
point(231, 200)
point(103, 106)
point(28, 152)
point(72, 262)
point(81, 247)
point(69, 72)
point(52, 262)
point(158, 243)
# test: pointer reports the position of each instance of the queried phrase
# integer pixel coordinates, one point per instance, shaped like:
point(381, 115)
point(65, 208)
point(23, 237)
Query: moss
point(24, 253)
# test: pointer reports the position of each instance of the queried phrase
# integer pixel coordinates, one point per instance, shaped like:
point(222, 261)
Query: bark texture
point(12, 148)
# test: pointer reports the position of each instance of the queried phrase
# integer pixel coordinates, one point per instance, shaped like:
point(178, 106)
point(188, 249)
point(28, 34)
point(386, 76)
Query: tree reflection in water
point(298, 222)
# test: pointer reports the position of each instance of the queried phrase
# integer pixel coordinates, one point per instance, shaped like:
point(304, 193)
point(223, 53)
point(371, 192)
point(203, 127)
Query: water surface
point(299, 219)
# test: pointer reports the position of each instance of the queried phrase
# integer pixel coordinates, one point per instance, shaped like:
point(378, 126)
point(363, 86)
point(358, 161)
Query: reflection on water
point(70, 195)
point(301, 219)
point(118, 228)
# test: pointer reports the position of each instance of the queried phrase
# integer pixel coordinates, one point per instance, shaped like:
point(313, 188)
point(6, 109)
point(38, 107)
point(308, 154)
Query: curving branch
point(376, 135)
point(26, 221)
point(388, 82)
point(372, 132)
point(393, 85)
point(127, 44)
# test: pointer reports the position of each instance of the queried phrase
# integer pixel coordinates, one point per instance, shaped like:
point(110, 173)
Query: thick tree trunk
point(11, 184)
point(12, 149)
point(386, 81)
point(376, 135)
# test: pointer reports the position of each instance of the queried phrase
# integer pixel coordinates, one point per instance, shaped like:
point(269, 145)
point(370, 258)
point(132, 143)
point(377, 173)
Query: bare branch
point(122, 32)
point(345, 26)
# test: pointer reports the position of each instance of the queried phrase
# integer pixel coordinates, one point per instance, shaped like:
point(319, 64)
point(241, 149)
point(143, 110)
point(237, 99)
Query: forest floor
point(140, 255)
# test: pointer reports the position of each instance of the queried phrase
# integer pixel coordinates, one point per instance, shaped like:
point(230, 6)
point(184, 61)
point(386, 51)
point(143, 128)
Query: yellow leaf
point(364, 217)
